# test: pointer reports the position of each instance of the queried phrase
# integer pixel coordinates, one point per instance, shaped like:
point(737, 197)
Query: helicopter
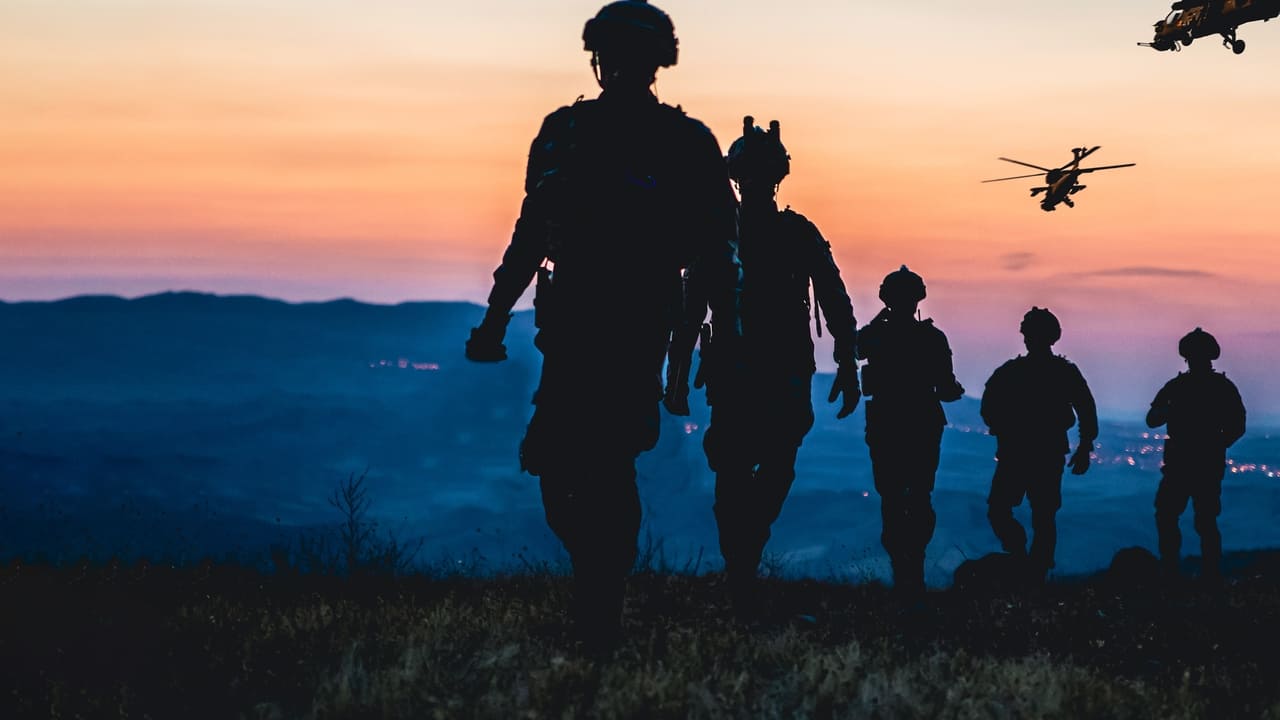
point(1060, 183)
point(1191, 19)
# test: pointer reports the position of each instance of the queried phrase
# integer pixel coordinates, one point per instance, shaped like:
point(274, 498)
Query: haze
point(376, 150)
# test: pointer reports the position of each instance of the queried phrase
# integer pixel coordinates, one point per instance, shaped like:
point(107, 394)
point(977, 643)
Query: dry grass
point(222, 642)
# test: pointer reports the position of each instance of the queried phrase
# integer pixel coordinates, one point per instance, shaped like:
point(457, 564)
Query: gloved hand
point(485, 343)
point(676, 398)
point(1079, 461)
point(846, 383)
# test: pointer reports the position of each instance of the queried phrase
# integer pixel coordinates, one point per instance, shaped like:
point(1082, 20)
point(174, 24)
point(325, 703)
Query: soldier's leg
point(739, 534)
point(774, 477)
point(593, 506)
point(911, 509)
point(887, 473)
point(790, 406)
point(1207, 506)
point(1007, 491)
point(1045, 494)
point(729, 455)
point(920, 495)
point(1171, 500)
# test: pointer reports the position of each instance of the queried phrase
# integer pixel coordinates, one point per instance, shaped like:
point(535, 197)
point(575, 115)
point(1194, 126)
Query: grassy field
point(221, 641)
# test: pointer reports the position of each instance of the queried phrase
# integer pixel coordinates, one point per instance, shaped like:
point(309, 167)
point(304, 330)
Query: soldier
point(622, 192)
point(907, 377)
point(1029, 404)
point(753, 439)
point(1205, 416)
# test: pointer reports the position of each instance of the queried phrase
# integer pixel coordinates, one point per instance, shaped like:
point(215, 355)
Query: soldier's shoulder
point(932, 334)
point(562, 118)
point(683, 123)
point(1224, 380)
point(1066, 364)
point(1007, 368)
point(928, 327)
point(791, 216)
point(1012, 363)
point(798, 225)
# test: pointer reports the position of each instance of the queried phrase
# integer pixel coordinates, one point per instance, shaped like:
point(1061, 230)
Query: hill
point(182, 425)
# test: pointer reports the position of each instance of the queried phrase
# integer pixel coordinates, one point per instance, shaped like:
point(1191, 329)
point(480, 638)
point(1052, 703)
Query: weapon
point(679, 358)
point(543, 297)
point(705, 354)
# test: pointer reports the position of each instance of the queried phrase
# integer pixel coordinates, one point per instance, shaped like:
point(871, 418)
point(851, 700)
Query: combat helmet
point(1040, 324)
point(1199, 345)
point(632, 28)
point(902, 287)
point(758, 156)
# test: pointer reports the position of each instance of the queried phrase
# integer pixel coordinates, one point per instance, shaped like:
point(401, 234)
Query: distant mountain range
point(187, 424)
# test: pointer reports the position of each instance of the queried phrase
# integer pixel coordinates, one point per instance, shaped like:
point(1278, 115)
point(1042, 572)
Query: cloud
point(1018, 260)
point(1143, 271)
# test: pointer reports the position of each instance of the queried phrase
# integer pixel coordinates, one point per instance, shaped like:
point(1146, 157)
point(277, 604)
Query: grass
point(223, 641)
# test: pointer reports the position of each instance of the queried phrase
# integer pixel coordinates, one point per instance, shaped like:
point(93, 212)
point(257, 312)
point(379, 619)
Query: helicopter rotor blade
point(1019, 162)
point(1107, 167)
point(1015, 177)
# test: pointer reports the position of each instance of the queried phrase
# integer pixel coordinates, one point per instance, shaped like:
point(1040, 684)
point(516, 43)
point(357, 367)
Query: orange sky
point(322, 149)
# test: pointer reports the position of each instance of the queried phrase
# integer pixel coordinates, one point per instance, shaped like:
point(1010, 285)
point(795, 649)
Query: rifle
point(706, 353)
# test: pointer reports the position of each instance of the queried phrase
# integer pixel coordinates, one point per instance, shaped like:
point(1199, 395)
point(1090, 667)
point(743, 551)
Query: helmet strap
point(616, 73)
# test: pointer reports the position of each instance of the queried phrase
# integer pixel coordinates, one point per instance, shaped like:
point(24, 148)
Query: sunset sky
point(320, 149)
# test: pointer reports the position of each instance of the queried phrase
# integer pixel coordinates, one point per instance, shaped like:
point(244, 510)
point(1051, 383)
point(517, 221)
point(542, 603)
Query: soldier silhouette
point(907, 377)
point(1029, 404)
point(1205, 416)
point(754, 436)
point(622, 192)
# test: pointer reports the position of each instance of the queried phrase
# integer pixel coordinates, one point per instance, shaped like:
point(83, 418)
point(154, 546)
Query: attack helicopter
point(1191, 19)
point(1060, 183)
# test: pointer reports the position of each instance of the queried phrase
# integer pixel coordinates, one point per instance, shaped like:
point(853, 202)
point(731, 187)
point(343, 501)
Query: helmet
point(759, 155)
point(1041, 324)
point(1199, 345)
point(901, 287)
point(635, 28)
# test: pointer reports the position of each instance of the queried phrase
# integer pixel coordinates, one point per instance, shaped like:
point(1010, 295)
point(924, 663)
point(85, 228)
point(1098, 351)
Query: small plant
point(355, 533)
point(354, 548)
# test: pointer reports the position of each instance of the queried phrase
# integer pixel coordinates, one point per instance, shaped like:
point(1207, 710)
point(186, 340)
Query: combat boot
point(596, 611)
point(744, 594)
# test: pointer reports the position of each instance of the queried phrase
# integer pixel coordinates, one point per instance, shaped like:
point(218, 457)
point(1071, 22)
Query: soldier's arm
point(1086, 409)
point(830, 292)
point(993, 401)
point(714, 231)
point(945, 384)
point(528, 247)
point(1159, 413)
point(868, 336)
point(1234, 420)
